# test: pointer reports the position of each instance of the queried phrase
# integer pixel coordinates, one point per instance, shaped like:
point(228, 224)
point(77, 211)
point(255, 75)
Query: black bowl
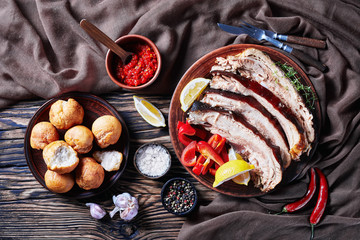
point(188, 198)
point(94, 107)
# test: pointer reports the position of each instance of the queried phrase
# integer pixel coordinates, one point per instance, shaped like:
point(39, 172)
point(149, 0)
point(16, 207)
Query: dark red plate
point(201, 68)
point(94, 107)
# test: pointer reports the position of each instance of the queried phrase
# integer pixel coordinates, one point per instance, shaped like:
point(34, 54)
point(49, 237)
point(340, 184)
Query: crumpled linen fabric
point(44, 53)
point(338, 152)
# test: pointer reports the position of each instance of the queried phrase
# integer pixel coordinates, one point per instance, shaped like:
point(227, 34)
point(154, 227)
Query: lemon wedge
point(149, 112)
point(230, 170)
point(191, 91)
point(234, 155)
point(244, 178)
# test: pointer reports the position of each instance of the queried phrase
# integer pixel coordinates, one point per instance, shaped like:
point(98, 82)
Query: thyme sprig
point(305, 91)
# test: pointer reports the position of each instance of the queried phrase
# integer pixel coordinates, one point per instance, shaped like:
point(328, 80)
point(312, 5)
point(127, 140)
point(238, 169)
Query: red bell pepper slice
point(205, 149)
point(212, 171)
point(188, 156)
point(224, 155)
point(218, 147)
point(179, 124)
point(202, 162)
point(184, 139)
point(197, 169)
point(201, 133)
point(214, 139)
point(185, 129)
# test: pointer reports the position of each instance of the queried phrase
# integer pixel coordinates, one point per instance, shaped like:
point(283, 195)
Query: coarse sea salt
point(153, 160)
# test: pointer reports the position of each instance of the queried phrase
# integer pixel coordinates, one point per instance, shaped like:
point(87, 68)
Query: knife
point(259, 35)
point(310, 42)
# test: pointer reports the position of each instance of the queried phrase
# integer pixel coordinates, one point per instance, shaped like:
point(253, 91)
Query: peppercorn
point(179, 196)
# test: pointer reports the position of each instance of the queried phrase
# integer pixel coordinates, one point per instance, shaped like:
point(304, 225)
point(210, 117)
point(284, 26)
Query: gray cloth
point(44, 52)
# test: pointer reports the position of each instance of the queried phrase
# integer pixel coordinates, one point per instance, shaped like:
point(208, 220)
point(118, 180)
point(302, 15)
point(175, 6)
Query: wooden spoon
point(100, 36)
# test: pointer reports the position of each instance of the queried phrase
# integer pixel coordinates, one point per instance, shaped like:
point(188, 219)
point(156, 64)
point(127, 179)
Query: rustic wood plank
point(30, 211)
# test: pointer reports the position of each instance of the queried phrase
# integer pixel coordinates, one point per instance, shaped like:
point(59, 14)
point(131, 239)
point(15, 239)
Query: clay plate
point(94, 107)
point(201, 68)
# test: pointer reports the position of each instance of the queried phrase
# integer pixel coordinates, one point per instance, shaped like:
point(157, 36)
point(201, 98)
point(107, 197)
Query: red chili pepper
point(205, 149)
point(321, 202)
point(292, 207)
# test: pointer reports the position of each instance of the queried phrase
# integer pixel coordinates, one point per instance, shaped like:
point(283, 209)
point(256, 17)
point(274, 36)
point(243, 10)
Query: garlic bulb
point(96, 211)
point(127, 206)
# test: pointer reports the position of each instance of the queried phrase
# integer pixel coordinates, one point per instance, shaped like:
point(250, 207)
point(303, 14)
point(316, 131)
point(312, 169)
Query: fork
point(260, 34)
point(310, 42)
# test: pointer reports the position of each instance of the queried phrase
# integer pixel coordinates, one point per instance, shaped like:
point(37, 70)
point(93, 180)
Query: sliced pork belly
point(256, 65)
point(254, 113)
point(294, 132)
point(254, 147)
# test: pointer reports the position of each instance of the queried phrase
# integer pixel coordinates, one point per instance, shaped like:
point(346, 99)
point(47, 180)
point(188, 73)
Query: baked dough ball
point(65, 114)
point(59, 183)
point(42, 134)
point(80, 138)
point(107, 130)
point(110, 160)
point(60, 157)
point(89, 174)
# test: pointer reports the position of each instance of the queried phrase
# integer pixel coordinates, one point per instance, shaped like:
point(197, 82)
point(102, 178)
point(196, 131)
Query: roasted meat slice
point(254, 113)
point(294, 132)
point(254, 146)
point(256, 65)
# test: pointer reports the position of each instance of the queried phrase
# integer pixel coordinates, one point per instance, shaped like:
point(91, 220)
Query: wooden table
point(28, 210)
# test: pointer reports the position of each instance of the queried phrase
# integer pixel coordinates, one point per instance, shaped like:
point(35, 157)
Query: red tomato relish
point(140, 69)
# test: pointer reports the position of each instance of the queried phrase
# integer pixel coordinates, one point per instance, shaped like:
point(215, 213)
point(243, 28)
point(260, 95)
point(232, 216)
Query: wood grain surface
point(29, 211)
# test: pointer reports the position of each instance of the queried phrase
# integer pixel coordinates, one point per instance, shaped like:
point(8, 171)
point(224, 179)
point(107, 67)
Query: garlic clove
point(96, 211)
point(114, 211)
point(128, 213)
point(122, 200)
point(133, 203)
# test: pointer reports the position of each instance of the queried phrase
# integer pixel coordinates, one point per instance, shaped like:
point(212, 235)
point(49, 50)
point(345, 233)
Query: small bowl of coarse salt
point(152, 160)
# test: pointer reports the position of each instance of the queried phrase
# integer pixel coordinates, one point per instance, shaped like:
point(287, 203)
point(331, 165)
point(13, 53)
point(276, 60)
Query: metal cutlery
point(260, 34)
point(310, 42)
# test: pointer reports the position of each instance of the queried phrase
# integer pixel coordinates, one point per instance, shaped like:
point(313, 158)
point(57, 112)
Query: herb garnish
point(305, 91)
